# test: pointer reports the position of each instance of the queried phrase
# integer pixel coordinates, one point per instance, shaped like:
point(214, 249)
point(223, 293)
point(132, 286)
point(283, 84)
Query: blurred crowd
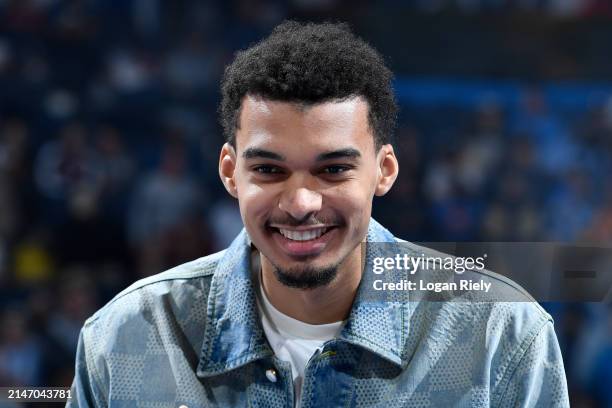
point(109, 147)
point(557, 8)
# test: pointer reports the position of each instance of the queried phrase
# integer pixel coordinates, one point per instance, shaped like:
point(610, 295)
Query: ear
point(388, 169)
point(227, 167)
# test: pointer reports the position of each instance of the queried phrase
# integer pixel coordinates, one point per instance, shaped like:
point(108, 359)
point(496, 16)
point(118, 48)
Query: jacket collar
point(378, 320)
point(233, 335)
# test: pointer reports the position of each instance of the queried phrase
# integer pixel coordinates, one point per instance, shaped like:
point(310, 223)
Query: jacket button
point(183, 406)
point(271, 375)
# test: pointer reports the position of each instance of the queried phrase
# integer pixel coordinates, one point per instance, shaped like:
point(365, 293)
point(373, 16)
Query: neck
point(326, 304)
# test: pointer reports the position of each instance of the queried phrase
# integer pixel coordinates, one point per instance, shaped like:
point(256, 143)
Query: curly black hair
point(310, 63)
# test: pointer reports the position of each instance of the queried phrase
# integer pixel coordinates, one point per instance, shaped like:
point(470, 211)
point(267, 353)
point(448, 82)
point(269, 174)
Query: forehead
point(304, 128)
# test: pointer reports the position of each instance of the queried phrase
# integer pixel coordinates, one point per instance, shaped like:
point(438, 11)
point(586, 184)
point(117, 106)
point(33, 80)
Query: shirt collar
point(233, 335)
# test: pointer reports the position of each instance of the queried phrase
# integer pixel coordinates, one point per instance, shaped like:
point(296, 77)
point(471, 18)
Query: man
point(284, 316)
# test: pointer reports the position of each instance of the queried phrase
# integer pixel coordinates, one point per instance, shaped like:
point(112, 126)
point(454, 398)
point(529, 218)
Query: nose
point(300, 203)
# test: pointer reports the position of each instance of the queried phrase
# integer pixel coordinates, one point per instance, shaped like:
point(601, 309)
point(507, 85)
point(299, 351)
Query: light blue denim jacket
point(192, 336)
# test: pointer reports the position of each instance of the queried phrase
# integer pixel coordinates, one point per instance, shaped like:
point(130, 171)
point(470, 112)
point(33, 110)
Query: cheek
point(358, 191)
point(354, 200)
point(254, 201)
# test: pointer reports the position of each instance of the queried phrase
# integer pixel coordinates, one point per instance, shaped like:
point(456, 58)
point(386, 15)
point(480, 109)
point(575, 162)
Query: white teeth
point(303, 235)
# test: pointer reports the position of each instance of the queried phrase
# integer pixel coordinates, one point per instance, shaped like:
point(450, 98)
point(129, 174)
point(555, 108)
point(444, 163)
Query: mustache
point(292, 222)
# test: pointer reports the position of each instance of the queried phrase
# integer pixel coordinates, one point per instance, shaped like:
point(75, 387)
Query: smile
point(303, 242)
point(302, 235)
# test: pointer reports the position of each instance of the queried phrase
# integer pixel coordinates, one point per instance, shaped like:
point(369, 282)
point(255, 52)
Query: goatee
point(306, 277)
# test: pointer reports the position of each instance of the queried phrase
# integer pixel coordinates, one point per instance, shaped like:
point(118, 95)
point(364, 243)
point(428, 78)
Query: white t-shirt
point(293, 340)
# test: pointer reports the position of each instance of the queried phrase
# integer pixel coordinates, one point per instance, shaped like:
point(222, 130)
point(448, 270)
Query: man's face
point(305, 178)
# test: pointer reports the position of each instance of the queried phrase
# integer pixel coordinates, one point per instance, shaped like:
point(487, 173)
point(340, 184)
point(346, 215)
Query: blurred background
point(109, 143)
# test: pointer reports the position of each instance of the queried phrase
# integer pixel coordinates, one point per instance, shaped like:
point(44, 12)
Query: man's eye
point(267, 169)
point(336, 169)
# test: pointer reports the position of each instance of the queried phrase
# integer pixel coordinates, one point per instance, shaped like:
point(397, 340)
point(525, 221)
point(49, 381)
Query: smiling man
point(305, 177)
point(284, 317)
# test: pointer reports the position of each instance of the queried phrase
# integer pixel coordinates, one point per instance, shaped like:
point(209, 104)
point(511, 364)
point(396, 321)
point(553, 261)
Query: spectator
point(162, 213)
point(20, 352)
point(63, 166)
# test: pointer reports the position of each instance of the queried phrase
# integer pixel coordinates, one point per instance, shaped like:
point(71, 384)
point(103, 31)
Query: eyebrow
point(254, 152)
point(348, 153)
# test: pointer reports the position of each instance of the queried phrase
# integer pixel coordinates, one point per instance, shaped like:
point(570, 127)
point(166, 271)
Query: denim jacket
point(191, 336)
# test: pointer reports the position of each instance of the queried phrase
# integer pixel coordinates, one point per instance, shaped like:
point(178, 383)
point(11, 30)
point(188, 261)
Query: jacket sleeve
point(85, 389)
point(538, 380)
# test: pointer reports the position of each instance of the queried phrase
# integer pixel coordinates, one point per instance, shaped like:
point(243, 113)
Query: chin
point(306, 277)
